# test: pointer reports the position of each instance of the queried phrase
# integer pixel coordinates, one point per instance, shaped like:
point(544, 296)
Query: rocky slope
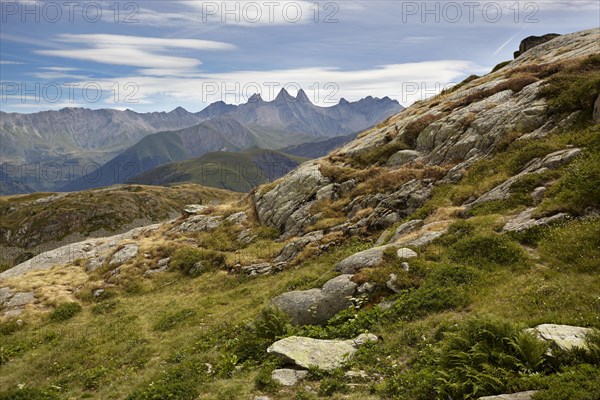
point(449, 252)
point(438, 138)
point(39, 222)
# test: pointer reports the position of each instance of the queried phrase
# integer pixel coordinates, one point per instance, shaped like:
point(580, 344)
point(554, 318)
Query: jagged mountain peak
point(302, 97)
point(255, 98)
point(284, 96)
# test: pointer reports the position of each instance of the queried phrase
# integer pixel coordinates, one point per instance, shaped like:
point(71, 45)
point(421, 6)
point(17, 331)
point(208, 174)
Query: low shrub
point(28, 394)
point(485, 250)
point(579, 382)
point(9, 326)
point(573, 247)
point(263, 380)
point(579, 188)
point(95, 377)
point(331, 385)
point(194, 262)
point(501, 65)
point(444, 288)
point(65, 311)
point(249, 342)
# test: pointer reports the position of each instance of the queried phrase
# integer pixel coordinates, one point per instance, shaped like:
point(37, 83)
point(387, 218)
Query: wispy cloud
point(135, 51)
point(5, 62)
point(247, 13)
point(127, 41)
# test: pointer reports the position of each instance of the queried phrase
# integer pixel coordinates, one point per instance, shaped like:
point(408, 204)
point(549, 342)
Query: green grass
point(65, 311)
point(454, 331)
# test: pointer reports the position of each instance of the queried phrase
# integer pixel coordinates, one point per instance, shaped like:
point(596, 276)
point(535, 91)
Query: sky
point(159, 55)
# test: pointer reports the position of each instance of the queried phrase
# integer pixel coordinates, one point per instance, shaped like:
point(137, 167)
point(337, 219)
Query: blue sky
point(157, 55)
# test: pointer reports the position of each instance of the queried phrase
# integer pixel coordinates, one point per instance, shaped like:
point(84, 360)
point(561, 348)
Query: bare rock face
point(13, 304)
point(316, 306)
point(533, 41)
point(513, 396)
point(125, 254)
point(95, 251)
point(324, 354)
point(286, 206)
point(199, 223)
point(525, 221)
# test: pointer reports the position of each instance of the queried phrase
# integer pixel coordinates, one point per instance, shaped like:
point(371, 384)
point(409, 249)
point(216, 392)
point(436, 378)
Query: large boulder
point(364, 259)
point(286, 206)
point(316, 306)
point(288, 377)
point(596, 115)
point(564, 337)
point(195, 209)
point(326, 355)
point(512, 396)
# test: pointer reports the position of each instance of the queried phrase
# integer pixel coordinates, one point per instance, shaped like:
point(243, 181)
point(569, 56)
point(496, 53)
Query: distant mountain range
point(115, 146)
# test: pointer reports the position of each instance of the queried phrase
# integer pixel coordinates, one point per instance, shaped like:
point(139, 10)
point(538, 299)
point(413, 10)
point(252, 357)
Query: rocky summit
point(450, 251)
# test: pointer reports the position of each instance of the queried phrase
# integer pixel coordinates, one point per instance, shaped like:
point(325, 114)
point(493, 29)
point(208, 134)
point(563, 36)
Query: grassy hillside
point(42, 221)
point(452, 322)
point(239, 172)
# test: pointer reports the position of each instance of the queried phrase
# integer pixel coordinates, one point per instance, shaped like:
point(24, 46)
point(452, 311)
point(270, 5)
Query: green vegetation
point(485, 250)
point(574, 88)
point(193, 261)
point(501, 65)
point(239, 172)
point(573, 247)
point(454, 88)
point(453, 323)
point(65, 311)
point(29, 394)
